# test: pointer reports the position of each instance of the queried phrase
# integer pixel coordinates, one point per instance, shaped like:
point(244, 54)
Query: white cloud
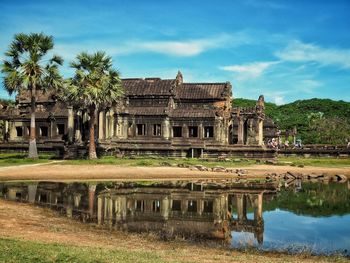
point(251, 70)
point(279, 100)
point(308, 85)
point(297, 51)
point(182, 48)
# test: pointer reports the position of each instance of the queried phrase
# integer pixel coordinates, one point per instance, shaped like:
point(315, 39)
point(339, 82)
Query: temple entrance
point(245, 132)
point(194, 153)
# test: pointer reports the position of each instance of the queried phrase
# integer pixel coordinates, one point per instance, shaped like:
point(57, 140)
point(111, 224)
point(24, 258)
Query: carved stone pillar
point(166, 128)
point(241, 207)
point(258, 207)
point(99, 210)
point(32, 192)
point(200, 131)
point(111, 124)
point(165, 208)
point(101, 125)
point(92, 190)
point(240, 131)
point(260, 138)
point(78, 127)
point(69, 207)
point(70, 124)
point(185, 133)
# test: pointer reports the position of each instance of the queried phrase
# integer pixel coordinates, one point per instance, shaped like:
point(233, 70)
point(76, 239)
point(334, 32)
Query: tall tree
point(95, 85)
point(29, 67)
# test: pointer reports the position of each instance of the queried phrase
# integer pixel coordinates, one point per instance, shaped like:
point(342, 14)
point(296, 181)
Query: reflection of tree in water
point(313, 200)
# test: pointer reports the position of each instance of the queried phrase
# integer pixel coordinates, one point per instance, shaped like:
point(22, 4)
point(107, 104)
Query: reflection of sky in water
point(287, 231)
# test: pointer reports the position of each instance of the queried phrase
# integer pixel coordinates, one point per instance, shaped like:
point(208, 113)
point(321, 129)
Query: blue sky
point(286, 50)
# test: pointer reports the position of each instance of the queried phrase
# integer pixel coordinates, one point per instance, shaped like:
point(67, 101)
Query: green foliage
point(27, 65)
point(314, 200)
point(95, 82)
point(317, 120)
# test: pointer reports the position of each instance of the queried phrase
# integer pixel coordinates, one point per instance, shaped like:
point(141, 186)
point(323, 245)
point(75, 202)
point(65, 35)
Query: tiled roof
point(200, 90)
point(155, 86)
point(147, 87)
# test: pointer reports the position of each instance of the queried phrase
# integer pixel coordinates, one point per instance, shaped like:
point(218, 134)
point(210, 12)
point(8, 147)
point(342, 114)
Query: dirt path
point(24, 221)
point(112, 172)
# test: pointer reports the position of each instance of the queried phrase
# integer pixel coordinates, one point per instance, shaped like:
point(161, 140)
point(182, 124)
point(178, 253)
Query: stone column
point(11, 194)
point(241, 207)
point(185, 131)
point(184, 206)
point(165, 208)
point(200, 131)
point(258, 207)
point(92, 190)
point(200, 207)
point(6, 126)
point(260, 132)
point(99, 210)
point(217, 130)
point(166, 128)
point(240, 132)
point(12, 128)
point(69, 207)
point(125, 127)
point(70, 123)
point(216, 210)
point(111, 124)
point(32, 192)
point(101, 124)
point(78, 128)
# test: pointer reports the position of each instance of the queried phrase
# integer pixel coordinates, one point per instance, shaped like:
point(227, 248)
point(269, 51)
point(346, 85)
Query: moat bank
point(113, 172)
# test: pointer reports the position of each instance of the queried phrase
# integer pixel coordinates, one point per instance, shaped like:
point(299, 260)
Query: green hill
point(317, 120)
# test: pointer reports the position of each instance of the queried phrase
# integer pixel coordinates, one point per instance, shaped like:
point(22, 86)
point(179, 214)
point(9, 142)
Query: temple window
point(19, 131)
point(139, 205)
point(176, 205)
point(177, 131)
point(43, 131)
point(156, 206)
point(141, 129)
point(193, 131)
point(208, 206)
point(208, 131)
point(157, 130)
point(60, 129)
point(192, 206)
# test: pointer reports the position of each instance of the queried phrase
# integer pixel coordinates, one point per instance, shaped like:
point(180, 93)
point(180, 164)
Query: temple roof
point(168, 87)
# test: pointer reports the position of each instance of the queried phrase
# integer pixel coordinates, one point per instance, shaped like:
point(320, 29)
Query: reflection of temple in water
point(184, 209)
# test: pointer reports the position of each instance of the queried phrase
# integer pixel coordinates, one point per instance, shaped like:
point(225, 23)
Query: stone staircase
point(70, 152)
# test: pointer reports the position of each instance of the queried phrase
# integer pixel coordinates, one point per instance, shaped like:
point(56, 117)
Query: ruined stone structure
point(156, 117)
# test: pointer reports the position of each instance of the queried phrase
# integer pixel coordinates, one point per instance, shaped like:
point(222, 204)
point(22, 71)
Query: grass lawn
point(10, 159)
point(314, 161)
point(12, 250)
point(161, 161)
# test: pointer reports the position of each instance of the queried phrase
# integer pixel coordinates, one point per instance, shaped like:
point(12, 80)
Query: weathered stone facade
point(155, 117)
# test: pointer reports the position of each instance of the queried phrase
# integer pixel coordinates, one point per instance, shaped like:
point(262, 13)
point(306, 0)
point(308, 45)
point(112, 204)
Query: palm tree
point(28, 67)
point(95, 85)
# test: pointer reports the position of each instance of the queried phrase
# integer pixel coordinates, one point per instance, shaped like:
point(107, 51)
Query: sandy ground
point(27, 222)
point(112, 172)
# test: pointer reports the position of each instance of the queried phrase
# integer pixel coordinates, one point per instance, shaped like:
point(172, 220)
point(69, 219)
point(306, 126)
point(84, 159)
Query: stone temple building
point(166, 117)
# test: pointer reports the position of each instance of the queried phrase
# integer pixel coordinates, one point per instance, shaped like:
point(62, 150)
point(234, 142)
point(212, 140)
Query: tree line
point(317, 121)
point(28, 65)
